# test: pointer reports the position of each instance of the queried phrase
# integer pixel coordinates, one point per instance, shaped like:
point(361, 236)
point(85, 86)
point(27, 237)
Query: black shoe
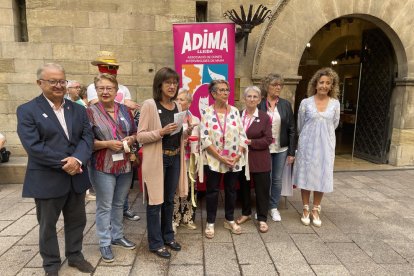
point(106, 253)
point(163, 253)
point(128, 214)
point(174, 245)
point(82, 266)
point(124, 243)
point(52, 273)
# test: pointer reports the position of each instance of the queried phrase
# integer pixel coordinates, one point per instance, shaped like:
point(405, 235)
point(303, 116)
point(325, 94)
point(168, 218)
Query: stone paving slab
point(367, 229)
point(339, 270)
point(366, 268)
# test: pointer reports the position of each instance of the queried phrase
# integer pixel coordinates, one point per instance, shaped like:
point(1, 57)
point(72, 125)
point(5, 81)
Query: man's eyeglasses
point(169, 83)
point(223, 90)
point(56, 82)
point(108, 88)
point(109, 67)
point(75, 87)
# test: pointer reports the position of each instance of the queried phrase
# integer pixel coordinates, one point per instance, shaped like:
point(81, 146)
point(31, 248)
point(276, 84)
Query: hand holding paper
point(179, 120)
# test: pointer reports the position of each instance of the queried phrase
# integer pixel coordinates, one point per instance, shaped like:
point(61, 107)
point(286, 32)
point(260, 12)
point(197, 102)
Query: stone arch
point(293, 24)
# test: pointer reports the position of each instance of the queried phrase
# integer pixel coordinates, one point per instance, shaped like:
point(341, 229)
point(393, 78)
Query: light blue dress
point(313, 169)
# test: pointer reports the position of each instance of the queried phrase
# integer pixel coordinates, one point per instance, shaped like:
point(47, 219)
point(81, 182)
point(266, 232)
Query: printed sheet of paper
point(179, 120)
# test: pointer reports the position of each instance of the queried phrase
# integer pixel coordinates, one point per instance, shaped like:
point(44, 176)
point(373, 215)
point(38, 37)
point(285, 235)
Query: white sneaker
point(275, 214)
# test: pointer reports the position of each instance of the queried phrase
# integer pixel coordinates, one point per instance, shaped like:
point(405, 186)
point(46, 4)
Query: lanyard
point(246, 127)
point(110, 119)
point(223, 129)
point(269, 111)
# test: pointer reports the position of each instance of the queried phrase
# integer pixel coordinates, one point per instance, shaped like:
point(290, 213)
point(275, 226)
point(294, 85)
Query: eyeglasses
point(254, 97)
point(109, 67)
point(56, 82)
point(75, 87)
point(169, 83)
point(223, 90)
point(277, 85)
point(103, 88)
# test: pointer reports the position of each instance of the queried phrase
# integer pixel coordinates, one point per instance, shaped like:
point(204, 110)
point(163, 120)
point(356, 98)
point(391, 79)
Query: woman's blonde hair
point(188, 95)
point(329, 72)
point(106, 76)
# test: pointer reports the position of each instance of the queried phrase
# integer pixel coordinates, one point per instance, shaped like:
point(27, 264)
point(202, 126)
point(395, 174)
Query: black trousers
point(212, 186)
point(72, 206)
point(261, 187)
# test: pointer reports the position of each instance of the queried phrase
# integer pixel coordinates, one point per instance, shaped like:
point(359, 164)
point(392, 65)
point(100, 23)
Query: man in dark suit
point(58, 140)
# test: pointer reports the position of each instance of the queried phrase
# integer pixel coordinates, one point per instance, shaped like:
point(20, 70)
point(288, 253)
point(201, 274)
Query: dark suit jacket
point(46, 145)
point(287, 124)
point(260, 133)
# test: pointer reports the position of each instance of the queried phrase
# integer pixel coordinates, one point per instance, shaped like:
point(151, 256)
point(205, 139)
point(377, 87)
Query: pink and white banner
point(204, 52)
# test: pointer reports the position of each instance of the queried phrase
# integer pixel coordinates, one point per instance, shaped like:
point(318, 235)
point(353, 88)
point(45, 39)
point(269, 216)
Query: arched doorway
point(363, 56)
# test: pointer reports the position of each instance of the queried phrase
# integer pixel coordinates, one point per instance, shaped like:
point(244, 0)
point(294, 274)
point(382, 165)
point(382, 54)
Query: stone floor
point(367, 229)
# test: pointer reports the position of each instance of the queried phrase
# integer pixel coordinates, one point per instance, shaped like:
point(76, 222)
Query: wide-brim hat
point(105, 57)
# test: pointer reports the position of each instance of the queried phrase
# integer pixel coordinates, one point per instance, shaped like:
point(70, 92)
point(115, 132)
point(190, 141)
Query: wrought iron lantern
point(247, 23)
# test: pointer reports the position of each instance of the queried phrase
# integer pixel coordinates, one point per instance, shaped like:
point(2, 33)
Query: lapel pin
point(44, 115)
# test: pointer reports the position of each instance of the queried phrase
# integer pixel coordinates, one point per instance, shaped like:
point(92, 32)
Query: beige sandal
point(233, 227)
point(243, 219)
point(263, 227)
point(209, 230)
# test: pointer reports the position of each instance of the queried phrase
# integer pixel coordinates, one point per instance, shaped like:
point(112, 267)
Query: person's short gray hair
point(188, 95)
point(252, 88)
point(49, 65)
point(71, 82)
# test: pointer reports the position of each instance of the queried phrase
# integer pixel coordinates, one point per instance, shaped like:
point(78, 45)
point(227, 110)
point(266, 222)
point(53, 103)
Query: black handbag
point(4, 155)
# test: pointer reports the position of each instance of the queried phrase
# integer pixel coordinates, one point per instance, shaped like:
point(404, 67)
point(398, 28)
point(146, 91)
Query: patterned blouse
point(104, 129)
point(211, 133)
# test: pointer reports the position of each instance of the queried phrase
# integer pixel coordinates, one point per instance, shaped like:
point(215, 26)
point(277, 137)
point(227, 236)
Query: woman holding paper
point(163, 165)
point(223, 141)
point(114, 130)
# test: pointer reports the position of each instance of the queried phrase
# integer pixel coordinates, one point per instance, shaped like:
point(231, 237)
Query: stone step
point(13, 172)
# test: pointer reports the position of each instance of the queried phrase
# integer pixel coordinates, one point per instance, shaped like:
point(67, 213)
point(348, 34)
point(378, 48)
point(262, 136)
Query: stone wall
point(70, 32)
point(139, 32)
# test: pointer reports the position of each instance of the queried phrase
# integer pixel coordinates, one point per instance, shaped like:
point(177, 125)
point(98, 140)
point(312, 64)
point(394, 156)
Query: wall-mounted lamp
point(247, 23)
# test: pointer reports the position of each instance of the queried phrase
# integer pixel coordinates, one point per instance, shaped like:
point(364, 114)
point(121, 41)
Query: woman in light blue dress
point(318, 116)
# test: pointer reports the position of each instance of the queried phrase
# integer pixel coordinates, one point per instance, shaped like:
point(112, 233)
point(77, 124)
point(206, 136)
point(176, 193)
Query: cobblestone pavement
point(367, 229)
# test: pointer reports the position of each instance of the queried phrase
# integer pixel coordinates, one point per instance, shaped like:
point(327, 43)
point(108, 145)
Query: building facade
point(299, 37)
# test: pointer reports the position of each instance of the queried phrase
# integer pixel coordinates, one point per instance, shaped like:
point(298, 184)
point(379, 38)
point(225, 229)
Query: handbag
point(287, 187)
point(4, 155)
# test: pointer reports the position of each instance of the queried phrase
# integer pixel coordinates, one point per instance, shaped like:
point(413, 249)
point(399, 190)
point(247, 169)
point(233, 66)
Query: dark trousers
point(72, 206)
point(212, 186)
point(160, 229)
point(261, 188)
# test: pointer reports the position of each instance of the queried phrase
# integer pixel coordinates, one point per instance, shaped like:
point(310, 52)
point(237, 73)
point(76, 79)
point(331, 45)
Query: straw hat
point(105, 57)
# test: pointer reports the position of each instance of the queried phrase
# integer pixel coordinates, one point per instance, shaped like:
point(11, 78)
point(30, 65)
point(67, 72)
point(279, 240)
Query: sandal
point(209, 230)
point(263, 228)
point(305, 219)
point(233, 227)
point(316, 221)
point(243, 219)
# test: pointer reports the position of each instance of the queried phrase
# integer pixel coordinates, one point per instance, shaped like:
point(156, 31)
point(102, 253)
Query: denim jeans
point(160, 228)
point(278, 163)
point(111, 190)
